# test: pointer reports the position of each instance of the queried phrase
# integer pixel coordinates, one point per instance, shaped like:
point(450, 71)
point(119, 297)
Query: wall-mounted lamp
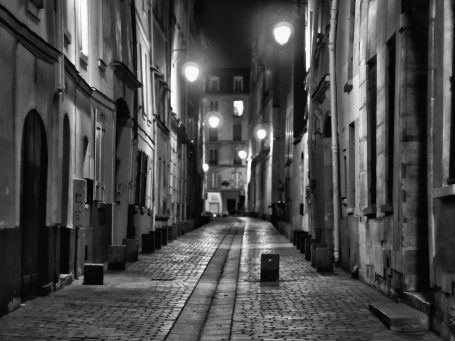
point(282, 32)
point(242, 154)
point(261, 133)
point(191, 71)
point(214, 121)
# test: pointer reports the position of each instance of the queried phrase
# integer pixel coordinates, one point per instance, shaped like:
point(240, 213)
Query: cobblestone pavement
point(140, 303)
point(143, 302)
point(306, 305)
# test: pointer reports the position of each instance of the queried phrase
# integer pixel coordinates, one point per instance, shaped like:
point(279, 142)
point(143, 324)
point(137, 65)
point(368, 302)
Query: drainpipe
point(334, 117)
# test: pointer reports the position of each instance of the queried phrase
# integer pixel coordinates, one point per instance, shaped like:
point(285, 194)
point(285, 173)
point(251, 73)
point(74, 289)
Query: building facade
point(86, 107)
point(225, 105)
point(371, 174)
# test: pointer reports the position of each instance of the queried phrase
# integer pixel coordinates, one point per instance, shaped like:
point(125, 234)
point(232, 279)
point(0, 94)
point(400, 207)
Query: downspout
point(430, 144)
point(334, 119)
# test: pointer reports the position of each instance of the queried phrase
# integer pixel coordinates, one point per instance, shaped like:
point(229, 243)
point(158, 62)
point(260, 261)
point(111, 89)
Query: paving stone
point(144, 301)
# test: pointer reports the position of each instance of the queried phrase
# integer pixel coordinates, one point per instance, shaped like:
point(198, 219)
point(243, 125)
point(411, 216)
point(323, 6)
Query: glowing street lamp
point(191, 71)
point(205, 167)
point(214, 121)
point(261, 133)
point(242, 154)
point(282, 32)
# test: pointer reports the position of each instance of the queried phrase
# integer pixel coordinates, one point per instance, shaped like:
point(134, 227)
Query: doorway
point(33, 206)
point(231, 205)
point(65, 232)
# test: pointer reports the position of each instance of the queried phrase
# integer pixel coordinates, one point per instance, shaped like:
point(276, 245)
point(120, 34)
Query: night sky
point(228, 25)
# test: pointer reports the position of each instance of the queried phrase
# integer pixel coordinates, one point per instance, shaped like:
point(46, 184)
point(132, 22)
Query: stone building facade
point(226, 100)
point(394, 141)
point(83, 98)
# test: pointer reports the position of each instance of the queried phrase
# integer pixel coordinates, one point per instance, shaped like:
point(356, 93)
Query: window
point(351, 170)
point(213, 105)
point(99, 162)
point(213, 134)
point(213, 156)
point(141, 178)
point(390, 118)
point(34, 7)
point(371, 130)
point(238, 84)
point(237, 132)
point(83, 27)
point(214, 83)
point(238, 108)
point(38, 3)
point(348, 85)
point(145, 89)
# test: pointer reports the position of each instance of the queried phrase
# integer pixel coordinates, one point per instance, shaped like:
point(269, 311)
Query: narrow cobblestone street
point(205, 286)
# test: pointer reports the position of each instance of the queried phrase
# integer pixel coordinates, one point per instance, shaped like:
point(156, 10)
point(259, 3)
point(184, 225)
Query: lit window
point(238, 108)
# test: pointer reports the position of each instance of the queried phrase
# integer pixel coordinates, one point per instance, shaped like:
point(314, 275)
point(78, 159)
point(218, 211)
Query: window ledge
point(444, 192)
point(102, 65)
point(34, 9)
point(386, 209)
point(349, 210)
point(370, 211)
point(67, 36)
point(83, 58)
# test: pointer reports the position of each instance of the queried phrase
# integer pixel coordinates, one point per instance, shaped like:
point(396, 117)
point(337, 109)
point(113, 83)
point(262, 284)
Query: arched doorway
point(33, 205)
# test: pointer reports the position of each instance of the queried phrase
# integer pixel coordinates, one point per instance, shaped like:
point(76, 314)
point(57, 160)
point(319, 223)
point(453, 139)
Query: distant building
point(225, 132)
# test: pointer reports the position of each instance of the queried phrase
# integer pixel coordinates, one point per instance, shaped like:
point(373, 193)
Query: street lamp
point(261, 133)
point(214, 121)
point(205, 167)
point(191, 71)
point(242, 154)
point(282, 32)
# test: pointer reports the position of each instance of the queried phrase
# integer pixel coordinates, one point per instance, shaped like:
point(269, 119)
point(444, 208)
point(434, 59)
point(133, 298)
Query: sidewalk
point(144, 301)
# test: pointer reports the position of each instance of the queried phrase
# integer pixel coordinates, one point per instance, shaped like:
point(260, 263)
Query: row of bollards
point(119, 255)
point(318, 253)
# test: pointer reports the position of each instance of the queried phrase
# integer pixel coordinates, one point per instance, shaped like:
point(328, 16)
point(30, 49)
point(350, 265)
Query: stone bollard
point(175, 231)
point(324, 260)
point(93, 274)
point(157, 238)
point(300, 236)
point(270, 267)
point(297, 239)
point(132, 249)
point(303, 238)
point(308, 243)
point(164, 237)
point(116, 257)
point(294, 236)
point(314, 247)
point(170, 236)
point(148, 242)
